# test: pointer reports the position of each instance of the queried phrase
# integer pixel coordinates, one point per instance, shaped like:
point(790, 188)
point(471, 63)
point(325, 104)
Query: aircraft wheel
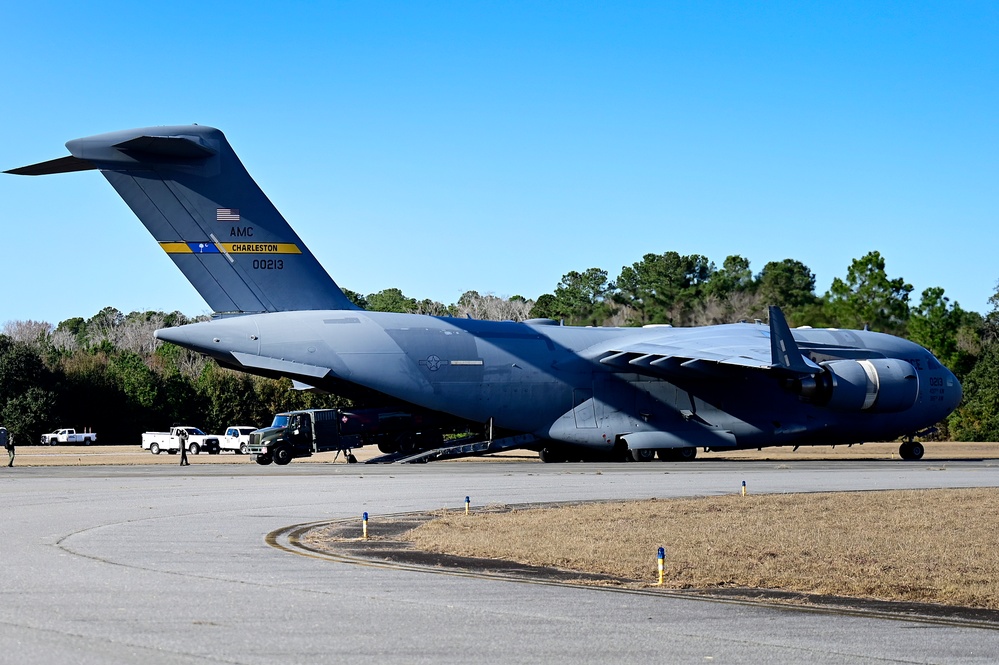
point(643, 454)
point(686, 454)
point(551, 456)
point(154, 449)
point(282, 456)
point(264, 460)
point(911, 450)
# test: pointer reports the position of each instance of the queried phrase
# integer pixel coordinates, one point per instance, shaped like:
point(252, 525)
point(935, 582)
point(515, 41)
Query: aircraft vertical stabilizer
point(192, 192)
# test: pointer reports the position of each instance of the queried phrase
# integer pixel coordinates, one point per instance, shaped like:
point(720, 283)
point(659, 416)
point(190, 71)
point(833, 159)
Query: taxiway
point(163, 564)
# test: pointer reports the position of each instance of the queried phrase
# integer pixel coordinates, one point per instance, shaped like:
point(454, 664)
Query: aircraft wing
point(750, 348)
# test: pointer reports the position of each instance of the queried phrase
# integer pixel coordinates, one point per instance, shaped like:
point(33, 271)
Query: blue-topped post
point(468, 502)
point(364, 525)
point(661, 559)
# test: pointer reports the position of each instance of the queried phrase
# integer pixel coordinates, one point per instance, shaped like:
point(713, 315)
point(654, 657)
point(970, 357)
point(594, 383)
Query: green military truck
point(303, 433)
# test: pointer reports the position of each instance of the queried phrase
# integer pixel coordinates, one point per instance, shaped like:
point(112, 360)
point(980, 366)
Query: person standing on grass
point(7, 439)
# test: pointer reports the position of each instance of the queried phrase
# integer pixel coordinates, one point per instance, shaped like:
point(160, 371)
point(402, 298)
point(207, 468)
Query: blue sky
point(445, 146)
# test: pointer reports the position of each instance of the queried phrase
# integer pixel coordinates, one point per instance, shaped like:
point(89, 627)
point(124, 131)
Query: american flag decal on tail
point(227, 215)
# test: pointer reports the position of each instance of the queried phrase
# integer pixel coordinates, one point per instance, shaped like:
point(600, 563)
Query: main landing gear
point(558, 454)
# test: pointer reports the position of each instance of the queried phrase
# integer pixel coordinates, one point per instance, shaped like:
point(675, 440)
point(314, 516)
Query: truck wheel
point(282, 456)
point(243, 449)
point(195, 449)
point(264, 460)
point(154, 449)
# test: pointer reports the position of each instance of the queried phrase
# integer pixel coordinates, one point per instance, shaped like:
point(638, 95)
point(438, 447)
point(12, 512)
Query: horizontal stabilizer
point(66, 164)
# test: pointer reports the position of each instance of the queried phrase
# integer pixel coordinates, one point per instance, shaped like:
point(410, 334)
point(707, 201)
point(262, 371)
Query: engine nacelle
point(878, 385)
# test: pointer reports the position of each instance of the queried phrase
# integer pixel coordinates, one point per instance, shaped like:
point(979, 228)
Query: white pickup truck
point(237, 438)
point(197, 441)
point(68, 436)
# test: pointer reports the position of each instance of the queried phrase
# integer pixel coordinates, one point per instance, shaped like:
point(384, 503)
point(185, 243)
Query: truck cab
point(298, 434)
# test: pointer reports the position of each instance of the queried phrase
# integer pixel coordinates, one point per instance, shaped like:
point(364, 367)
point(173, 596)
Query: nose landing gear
point(910, 450)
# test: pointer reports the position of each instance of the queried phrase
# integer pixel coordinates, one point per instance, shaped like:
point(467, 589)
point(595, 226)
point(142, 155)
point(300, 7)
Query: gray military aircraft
point(566, 391)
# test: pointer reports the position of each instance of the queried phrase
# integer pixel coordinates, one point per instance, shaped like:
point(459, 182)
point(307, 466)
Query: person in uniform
point(7, 439)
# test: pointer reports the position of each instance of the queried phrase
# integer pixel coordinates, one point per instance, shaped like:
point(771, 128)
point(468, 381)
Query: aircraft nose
point(941, 394)
point(953, 389)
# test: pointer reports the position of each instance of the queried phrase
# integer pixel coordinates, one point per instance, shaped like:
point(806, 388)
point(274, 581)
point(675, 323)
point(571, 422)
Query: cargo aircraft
point(567, 392)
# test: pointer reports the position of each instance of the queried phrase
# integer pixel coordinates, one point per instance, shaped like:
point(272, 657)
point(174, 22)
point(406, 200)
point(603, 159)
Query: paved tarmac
point(162, 564)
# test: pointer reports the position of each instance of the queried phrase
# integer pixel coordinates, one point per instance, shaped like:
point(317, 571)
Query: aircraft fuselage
point(549, 380)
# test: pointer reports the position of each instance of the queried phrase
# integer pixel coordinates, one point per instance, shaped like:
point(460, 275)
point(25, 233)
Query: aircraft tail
point(193, 194)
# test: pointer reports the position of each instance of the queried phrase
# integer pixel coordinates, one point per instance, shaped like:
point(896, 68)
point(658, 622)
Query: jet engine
point(878, 385)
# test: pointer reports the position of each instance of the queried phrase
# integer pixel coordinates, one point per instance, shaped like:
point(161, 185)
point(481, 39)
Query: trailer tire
point(154, 448)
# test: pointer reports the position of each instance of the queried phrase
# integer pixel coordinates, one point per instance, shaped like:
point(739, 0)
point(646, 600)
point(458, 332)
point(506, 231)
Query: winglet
point(783, 349)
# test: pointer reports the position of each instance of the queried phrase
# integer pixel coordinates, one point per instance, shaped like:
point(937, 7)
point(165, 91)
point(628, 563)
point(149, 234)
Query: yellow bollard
point(364, 525)
point(661, 558)
point(743, 488)
point(467, 502)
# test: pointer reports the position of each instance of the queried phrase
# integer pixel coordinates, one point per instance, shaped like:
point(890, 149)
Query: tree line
point(108, 373)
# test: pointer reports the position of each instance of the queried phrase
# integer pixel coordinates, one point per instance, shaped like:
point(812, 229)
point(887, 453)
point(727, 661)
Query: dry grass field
point(938, 546)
